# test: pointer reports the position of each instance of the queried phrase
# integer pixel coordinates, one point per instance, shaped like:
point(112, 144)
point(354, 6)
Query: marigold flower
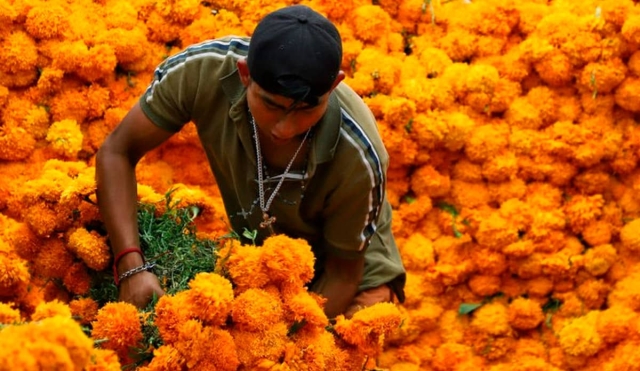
point(539, 287)
point(210, 296)
point(469, 195)
point(51, 309)
point(256, 310)
point(165, 358)
point(458, 44)
point(370, 22)
point(103, 360)
point(288, 260)
point(54, 259)
point(90, 247)
point(253, 347)
point(47, 21)
point(119, 324)
point(449, 356)
point(171, 311)
point(205, 347)
point(578, 337)
point(77, 279)
point(484, 285)
point(629, 235)
point(84, 310)
point(368, 327)
point(524, 314)
point(65, 138)
point(9, 315)
point(496, 232)
point(492, 319)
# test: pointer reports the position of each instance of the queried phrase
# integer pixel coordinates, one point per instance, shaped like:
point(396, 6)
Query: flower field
point(512, 131)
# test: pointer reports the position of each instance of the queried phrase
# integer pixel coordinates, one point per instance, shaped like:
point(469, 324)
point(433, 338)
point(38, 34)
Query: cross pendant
point(267, 222)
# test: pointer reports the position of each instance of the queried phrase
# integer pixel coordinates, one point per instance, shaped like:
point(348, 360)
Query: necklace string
point(264, 206)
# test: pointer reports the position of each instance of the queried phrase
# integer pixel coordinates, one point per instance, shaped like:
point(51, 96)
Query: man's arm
point(116, 161)
point(340, 283)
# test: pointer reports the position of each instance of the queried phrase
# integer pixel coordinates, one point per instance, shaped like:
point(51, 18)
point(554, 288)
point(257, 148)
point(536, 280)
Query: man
point(292, 149)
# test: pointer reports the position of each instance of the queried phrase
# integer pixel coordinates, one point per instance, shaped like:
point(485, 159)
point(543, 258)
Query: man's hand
point(339, 283)
point(139, 289)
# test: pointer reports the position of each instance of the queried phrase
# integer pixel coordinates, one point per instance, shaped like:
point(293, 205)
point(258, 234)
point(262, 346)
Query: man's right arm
point(116, 161)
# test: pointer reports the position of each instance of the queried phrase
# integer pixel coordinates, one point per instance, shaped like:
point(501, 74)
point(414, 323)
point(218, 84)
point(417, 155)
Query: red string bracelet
point(120, 255)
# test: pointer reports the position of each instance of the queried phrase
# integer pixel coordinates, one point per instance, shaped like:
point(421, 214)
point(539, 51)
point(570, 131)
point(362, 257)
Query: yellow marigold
point(65, 138)
point(539, 287)
point(434, 60)
point(103, 360)
point(253, 347)
point(483, 285)
point(519, 249)
point(525, 314)
point(615, 323)
point(486, 141)
point(171, 311)
point(487, 261)
point(13, 272)
point(54, 259)
point(119, 324)
point(417, 252)
point(19, 53)
point(256, 310)
point(90, 247)
point(84, 310)
point(384, 69)
point(47, 21)
point(210, 296)
point(631, 28)
point(450, 356)
point(15, 143)
point(626, 94)
point(629, 236)
point(288, 260)
point(480, 82)
point(300, 306)
point(458, 44)
point(165, 358)
point(579, 337)
point(626, 292)
point(581, 210)
point(205, 347)
point(524, 114)
point(599, 259)
point(492, 319)
point(368, 327)
point(51, 309)
point(8, 314)
point(370, 22)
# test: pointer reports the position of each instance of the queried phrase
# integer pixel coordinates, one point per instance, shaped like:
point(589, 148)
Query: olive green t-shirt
point(337, 203)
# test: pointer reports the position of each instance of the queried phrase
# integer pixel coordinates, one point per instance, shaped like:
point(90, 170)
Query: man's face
point(276, 119)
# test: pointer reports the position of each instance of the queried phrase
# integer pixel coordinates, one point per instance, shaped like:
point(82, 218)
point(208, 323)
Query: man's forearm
point(117, 200)
point(340, 284)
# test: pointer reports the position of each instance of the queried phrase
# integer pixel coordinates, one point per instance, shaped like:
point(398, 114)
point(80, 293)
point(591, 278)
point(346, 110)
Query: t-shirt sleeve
point(169, 99)
point(352, 210)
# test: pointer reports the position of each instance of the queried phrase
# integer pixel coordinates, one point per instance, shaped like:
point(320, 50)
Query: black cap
point(295, 52)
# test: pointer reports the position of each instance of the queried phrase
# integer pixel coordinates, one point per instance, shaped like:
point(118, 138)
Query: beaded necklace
point(268, 220)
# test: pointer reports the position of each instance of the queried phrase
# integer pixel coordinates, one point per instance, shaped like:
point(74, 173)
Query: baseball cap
point(295, 52)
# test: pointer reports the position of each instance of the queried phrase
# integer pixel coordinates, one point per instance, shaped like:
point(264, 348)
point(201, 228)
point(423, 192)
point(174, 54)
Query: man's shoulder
point(210, 54)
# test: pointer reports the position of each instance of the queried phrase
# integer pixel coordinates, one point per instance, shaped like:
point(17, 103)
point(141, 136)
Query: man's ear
point(243, 71)
point(338, 79)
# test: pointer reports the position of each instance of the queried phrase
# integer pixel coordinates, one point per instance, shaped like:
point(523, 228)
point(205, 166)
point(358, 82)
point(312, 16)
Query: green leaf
point(409, 199)
point(448, 208)
point(552, 305)
point(466, 308)
point(250, 235)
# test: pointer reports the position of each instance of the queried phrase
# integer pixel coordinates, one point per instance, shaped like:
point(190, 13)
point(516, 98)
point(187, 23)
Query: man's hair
point(295, 52)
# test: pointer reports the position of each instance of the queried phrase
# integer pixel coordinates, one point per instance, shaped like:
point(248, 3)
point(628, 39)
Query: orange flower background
point(511, 127)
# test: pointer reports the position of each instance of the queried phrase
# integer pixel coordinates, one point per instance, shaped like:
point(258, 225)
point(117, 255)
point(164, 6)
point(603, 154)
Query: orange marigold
point(368, 327)
point(91, 247)
point(84, 310)
point(492, 319)
point(525, 314)
point(119, 324)
point(210, 296)
point(288, 260)
point(51, 309)
point(629, 236)
point(256, 310)
point(578, 337)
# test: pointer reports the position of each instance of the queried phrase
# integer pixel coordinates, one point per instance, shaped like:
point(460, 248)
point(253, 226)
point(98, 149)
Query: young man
point(292, 149)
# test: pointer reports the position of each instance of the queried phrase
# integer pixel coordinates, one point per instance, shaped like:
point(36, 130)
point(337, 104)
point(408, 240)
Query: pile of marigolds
point(511, 127)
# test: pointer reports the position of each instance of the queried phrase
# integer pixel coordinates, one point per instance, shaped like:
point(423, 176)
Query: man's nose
point(285, 128)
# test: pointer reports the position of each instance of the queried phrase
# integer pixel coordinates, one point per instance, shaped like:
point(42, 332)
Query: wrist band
point(136, 270)
point(120, 255)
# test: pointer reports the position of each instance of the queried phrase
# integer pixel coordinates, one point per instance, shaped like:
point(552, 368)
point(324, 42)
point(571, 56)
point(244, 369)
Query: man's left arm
point(340, 283)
